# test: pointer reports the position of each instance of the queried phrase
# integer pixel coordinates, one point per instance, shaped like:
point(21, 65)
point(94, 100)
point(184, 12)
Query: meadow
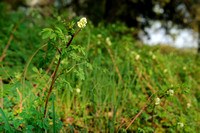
point(58, 77)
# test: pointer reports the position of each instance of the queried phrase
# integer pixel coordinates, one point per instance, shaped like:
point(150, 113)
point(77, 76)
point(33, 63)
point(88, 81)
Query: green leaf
point(35, 69)
point(53, 36)
point(6, 121)
point(46, 33)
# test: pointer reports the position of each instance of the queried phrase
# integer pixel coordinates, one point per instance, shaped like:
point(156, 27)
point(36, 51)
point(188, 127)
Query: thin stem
point(1, 92)
point(56, 70)
point(51, 87)
point(10, 39)
point(143, 108)
point(67, 45)
point(56, 47)
point(53, 80)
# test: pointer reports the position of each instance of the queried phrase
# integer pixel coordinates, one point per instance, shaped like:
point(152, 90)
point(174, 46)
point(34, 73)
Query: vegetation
point(58, 77)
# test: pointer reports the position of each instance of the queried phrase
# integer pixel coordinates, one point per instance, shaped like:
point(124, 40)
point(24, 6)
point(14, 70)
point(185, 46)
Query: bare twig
point(10, 39)
point(56, 70)
point(143, 108)
point(51, 87)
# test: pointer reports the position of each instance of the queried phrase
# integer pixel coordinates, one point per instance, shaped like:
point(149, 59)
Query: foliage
point(105, 78)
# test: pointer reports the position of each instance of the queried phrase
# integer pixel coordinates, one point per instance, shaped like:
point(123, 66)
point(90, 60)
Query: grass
point(113, 92)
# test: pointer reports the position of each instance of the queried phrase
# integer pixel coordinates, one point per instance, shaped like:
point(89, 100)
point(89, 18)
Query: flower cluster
point(157, 101)
point(108, 41)
point(181, 124)
point(78, 90)
point(189, 105)
point(137, 57)
point(170, 92)
point(82, 23)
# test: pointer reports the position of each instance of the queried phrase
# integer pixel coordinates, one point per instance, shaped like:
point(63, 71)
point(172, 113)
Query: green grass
point(113, 91)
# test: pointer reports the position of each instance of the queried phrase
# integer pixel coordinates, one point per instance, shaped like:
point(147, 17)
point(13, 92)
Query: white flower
point(137, 57)
point(153, 56)
point(108, 41)
point(189, 105)
point(78, 90)
point(184, 68)
point(157, 101)
point(17, 75)
point(82, 23)
point(170, 92)
point(99, 42)
point(165, 70)
point(99, 35)
point(181, 124)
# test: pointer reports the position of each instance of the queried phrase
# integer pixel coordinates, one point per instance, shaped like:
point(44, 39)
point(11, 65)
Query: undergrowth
point(107, 79)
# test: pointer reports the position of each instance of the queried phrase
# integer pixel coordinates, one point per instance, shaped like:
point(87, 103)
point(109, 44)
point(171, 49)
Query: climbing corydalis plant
point(60, 37)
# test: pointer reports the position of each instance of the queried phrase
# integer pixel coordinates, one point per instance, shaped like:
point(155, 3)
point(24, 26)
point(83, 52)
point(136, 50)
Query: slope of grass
point(124, 74)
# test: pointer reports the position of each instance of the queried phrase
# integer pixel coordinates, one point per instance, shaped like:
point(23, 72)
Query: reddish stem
point(143, 108)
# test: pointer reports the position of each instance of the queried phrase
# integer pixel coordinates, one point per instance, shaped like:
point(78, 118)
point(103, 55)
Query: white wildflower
point(99, 35)
point(82, 23)
point(170, 92)
point(165, 70)
point(157, 101)
point(137, 57)
point(154, 57)
point(189, 105)
point(184, 68)
point(108, 41)
point(99, 42)
point(17, 75)
point(181, 124)
point(78, 90)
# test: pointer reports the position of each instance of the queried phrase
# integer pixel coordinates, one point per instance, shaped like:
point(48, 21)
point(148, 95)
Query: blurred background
point(171, 22)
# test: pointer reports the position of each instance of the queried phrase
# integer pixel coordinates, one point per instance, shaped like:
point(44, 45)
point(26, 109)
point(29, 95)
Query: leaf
point(46, 33)
point(35, 69)
point(6, 121)
point(59, 32)
point(53, 36)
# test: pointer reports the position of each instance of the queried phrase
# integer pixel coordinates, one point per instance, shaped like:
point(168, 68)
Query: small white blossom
point(189, 105)
point(165, 70)
point(157, 101)
point(99, 35)
point(184, 68)
point(78, 90)
point(154, 57)
point(108, 41)
point(170, 92)
point(82, 23)
point(17, 75)
point(99, 42)
point(137, 57)
point(181, 124)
